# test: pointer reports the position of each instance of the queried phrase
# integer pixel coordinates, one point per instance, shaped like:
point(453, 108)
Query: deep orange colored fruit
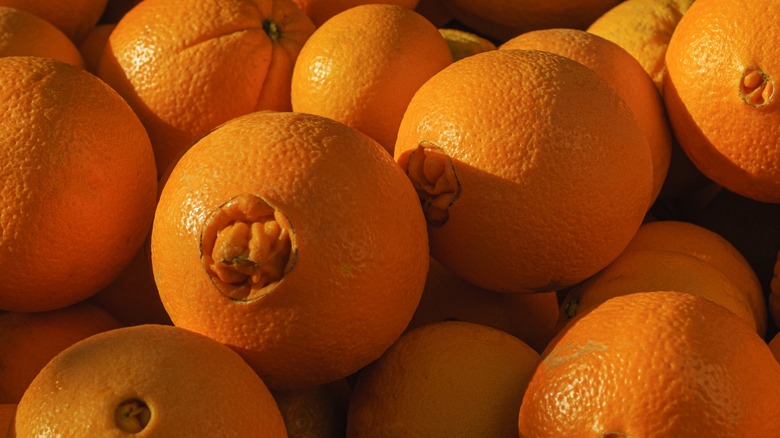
point(316, 411)
point(152, 380)
point(79, 186)
point(643, 28)
point(294, 239)
point(774, 346)
point(502, 20)
point(434, 12)
point(25, 34)
point(75, 18)
point(442, 380)
point(357, 68)
point(321, 11)
point(654, 364)
point(532, 171)
point(92, 46)
point(620, 70)
point(187, 66)
point(720, 95)
point(31, 340)
point(530, 317)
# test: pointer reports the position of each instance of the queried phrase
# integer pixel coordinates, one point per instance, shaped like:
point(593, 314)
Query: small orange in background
point(464, 43)
point(321, 11)
point(624, 73)
point(150, 380)
point(318, 411)
point(187, 66)
point(31, 340)
point(532, 171)
point(92, 46)
point(363, 66)
point(530, 317)
point(79, 185)
point(75, 18)
point(294, 239)
point(25, 34)
point(654, 364)
point(721, 96)
point(446, 379)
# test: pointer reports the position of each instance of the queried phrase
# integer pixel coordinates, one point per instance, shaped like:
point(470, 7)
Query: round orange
point(446, 379)
point(31, 340)
point(623, 72)
point(294, 239)
point(355, 68)
point(79, 186)
point(148, 380)
point(720, 94)
point(654, 364)
point(532, 171)
point(321, 11)
point(25, 34)
point(91, 47)
point(75, 18)
point(187, 66)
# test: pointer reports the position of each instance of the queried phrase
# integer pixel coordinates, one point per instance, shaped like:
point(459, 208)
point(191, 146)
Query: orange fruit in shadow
point(317, 411)
point(774, 295)
point(654, 363)
point(532, 171)
point(643, 28)
point(650, 270)
point(132, 297)
point(320, 258)
point(7, 412)
point(79, 186)
point(75, 18)
point(720, 95)
point(446, 379)
point(31, 340)
point(152, 380)
point(187, 66)
point(434, 12)
point(530, 317)
point(501, 20)
point(116, 9)
point(463, 43)
point(774, 346)
point(25, 34)
point(355, 68)
point(711, 247)
point(624, 73)
point(321, 11)
point(92, 46)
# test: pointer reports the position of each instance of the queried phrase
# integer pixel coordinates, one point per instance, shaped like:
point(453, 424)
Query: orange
point(709, 246)
point(649, 270)
point(532, 171)
point(75, 18)
point(25, 34)
point(92, 46)
point(624, 73)
point(774, 346)
point(643, 28)
point(447, 297)
point(501, 20)
point(30, 340)
point(321, 11)
point(187, 66)
point(463, 43)
point(654, 364)
point(317, 411)
point(79, 187)
point(150, 380)
point(7, 412)
point(132, 297)
point(443, 380)
point(434, 12)
point(356, 68)
point(720, 94)
point(311, 267)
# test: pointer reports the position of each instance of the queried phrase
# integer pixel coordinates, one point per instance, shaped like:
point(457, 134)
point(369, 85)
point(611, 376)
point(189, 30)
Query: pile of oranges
point(402, 218)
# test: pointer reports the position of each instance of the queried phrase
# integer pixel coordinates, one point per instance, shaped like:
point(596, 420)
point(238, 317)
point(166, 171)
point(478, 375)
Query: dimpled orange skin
point(721, 94)
point(360, 256)
point(75, 18)
point(25, 34)
point(554, 173)
point(654, 364)
point(192, 386)
point(187, 66)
